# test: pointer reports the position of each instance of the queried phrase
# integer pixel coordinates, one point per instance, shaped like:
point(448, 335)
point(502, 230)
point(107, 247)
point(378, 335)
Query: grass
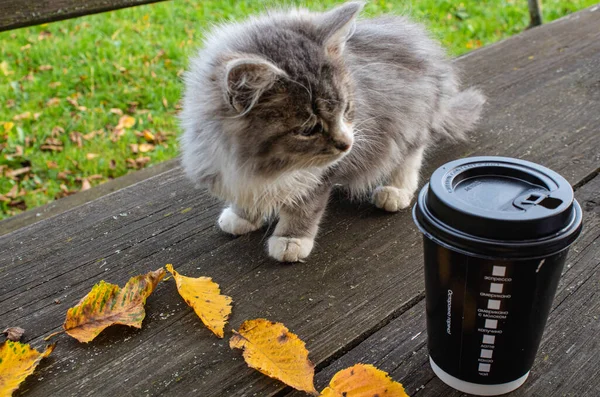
point(90, 99)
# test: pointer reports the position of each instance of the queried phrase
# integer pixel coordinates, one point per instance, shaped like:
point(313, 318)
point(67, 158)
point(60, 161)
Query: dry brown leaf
point(204, 296)
point(17, 172)
point(45, 67)
point(76, 138)
point(53, 141)
point(85, 185)
point(22, 116)
point(91, 156)
point(51, 164)
point(14, 333)
point(51, 148)
point(107, 304)
point(363, 380)
point(125, 122)
point(135, 148)
point(55, 84)
point(57, 131)
point(116, 111)
point(53, 102)
point(273, 350)
point(90, 135)
point(17, 362)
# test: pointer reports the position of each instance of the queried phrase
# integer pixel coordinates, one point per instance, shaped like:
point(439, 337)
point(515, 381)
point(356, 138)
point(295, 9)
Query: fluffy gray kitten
point(281, 107)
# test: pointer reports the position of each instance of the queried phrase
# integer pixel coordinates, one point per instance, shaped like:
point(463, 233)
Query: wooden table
point(359, 297)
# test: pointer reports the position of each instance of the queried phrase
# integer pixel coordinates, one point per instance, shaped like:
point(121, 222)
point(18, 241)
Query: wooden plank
point(365, 272)
point(21, 13)
point(567, 362)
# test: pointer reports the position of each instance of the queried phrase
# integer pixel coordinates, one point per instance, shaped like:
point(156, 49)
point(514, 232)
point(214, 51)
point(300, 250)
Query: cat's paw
point(391, 198)
point(231, 223)
point(290, 249)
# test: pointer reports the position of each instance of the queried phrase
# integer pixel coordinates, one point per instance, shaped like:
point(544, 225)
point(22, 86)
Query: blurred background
point(90, 99)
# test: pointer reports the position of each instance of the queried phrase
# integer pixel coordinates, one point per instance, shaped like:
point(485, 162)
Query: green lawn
point(90, 99)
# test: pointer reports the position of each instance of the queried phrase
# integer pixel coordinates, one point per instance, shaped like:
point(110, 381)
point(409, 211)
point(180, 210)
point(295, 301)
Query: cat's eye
point(348, 108)
point(317, 129)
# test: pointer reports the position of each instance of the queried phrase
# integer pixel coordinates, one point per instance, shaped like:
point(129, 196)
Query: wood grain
point(21, 13)
point(544, 106)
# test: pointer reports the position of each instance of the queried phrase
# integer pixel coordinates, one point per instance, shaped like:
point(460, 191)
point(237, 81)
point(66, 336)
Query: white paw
point(289, 249)
point(230, 223)
point(391, 198)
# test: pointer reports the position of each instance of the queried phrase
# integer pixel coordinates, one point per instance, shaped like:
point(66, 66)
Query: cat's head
point(285, 96)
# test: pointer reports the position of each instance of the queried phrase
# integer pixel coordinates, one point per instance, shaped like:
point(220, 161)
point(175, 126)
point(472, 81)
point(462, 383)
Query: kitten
point(280, 108)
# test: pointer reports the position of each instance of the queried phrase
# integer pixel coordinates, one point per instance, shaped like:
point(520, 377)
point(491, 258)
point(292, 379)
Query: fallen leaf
point(165, 103)
point(63, 175)
point(148, 136)
point(51, 164)
point(135, 148)
point(53, 141)
point(51, 148)
point(17, 362)
point(57, 131)
point(73, 101)
point(145, 147)
point(14, 333)
point(91, 156)
point(53, 102)
point(22, 116)
point(5, 69)
point(17, 172)
point(90, 135)
point(363, 380)
point(107, 304)
point(270, 348)
point(8, 126)
point(76, 137)
point(85, 185)
point(112, 164)
point(125, 122)
point(13, 193)
point(204, 296)
point(55, 84)
point(116, 111)
point(45, 67)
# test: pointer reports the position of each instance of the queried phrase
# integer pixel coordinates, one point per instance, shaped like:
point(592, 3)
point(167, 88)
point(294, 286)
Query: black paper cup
point(496, 235)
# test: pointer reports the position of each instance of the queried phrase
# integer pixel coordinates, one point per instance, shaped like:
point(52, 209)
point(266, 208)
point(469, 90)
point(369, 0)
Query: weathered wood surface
point(366, 271)
point(20, 13)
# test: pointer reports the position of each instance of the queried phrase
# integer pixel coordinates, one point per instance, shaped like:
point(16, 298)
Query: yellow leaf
point(204, 296)
point(148, 136)
point(125, 122)
point(270, 348)
point(106, 304)
point(146, 147)
point(363, 380)
point(8, 126)
point(91, 156)
point(17, 362)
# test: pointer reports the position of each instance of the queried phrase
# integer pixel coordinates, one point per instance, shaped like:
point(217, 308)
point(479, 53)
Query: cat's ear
point(338, 25)
point(246, 79)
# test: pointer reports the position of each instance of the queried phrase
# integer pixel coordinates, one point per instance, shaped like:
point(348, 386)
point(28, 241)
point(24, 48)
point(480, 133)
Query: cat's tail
point(459, 114)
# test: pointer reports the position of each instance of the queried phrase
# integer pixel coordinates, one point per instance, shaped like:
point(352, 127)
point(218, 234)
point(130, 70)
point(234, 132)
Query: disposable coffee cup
point(496, 235)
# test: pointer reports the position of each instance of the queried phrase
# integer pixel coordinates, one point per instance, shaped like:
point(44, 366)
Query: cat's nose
point(342, 145)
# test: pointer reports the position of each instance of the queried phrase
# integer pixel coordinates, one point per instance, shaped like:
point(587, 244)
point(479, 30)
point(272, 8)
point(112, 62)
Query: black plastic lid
point(499, 206)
